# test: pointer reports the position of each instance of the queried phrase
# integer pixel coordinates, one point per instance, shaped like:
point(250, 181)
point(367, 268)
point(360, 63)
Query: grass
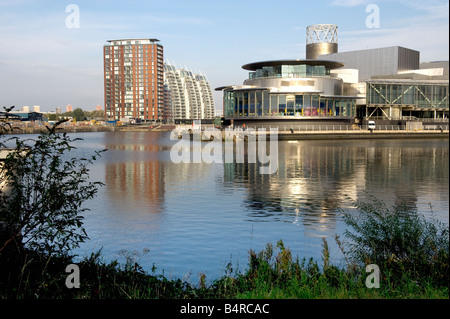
point(272, 273)
point(412, 255)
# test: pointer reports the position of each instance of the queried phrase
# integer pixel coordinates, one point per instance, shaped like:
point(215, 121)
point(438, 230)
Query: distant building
point(295, 90)
point(167, 116)
point(190, 94)
point(22, 116)
point(395, 85)
point(134, 79)
point(58, 110)
point(69, 108)
point(381, 61)
point(36, 108)
point(388, 84)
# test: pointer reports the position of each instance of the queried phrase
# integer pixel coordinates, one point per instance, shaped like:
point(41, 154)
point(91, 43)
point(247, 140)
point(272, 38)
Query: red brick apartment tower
point(134, 79)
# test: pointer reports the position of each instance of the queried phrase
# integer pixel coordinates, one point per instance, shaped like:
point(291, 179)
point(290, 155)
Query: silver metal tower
point(321, 39)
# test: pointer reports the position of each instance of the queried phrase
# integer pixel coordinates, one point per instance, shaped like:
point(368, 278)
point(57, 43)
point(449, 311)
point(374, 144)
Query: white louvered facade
point(191, 95)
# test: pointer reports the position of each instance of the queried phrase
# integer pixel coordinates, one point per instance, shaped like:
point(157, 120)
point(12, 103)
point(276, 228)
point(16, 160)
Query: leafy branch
point(42, 192)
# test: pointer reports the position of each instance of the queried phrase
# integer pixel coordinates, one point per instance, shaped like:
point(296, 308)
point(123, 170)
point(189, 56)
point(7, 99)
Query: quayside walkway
point(311, 132)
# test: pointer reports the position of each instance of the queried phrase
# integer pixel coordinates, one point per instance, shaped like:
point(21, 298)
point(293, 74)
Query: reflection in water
point(132, 183)
point(400, 174)
point(137, 179)
point(194, 216)
point(316, 178)
point(312, 181)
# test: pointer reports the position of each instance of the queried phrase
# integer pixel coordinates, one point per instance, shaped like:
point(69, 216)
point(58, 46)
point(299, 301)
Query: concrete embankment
point(282, 135)
point(325, 135)
point(92, 128)
point(344, 135)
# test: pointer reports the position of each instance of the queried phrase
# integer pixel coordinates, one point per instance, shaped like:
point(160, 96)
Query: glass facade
point(310, 90)
point(425, 96)
point(254, 103)
point(290, 71)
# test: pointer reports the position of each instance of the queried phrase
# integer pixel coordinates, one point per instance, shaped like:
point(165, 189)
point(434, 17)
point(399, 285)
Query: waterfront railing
point(313, 128)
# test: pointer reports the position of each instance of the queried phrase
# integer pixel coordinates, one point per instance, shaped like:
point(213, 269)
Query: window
point(266, 103)
point(322, 107)
point(274, 104)
point(290, 99)
point(251, 95)
point(298, 105)
point(307, 105)
point(314, 105)
point(258, 103)
point(245, 103)
point(282, 104)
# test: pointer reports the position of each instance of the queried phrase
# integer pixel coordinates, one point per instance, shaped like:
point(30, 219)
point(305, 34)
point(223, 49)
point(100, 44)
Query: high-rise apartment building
point(134, 79)
point(190, 94)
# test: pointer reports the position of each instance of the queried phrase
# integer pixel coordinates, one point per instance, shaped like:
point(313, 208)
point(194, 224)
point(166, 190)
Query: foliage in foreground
point(400, 241)
point(411, 252)
point(42, 191)
point(272, 273)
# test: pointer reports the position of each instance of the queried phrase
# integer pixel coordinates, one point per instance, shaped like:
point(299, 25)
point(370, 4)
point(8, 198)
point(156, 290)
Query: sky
point(51, 52)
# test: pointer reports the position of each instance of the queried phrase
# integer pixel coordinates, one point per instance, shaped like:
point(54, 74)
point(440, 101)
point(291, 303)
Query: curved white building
point(190, 94)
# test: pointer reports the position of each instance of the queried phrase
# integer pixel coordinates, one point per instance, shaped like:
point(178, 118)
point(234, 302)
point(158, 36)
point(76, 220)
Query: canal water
point(191, 218)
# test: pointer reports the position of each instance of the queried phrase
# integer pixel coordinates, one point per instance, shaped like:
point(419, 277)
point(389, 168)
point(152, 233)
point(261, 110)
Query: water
point(195, 218)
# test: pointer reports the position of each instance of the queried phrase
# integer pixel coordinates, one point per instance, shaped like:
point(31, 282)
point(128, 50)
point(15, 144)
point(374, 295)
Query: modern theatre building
point(299, 89)
point(289, 89)
point(327, 88)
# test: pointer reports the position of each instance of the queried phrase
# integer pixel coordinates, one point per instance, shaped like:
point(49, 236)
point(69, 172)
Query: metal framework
point(321, 33)
point(431, 99)
point(413, 96)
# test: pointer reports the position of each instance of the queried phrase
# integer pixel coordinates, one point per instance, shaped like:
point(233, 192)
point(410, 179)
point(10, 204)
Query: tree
point(42, 192)
point(78, 114)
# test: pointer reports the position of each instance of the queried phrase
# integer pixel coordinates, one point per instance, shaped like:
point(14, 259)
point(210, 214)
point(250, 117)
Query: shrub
point(400, 241)
point(41, 202)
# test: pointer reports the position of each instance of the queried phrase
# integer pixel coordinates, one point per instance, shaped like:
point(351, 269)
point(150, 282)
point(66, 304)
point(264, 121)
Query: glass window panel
point(282, 104)
point(408, 96)
point(259, 73)
point(258, 103)
point(314, 104)
point(299, 105)
point(240, 104)
point(307, 105)
point(245, 103)
point(266, 103)
point(332, 107)
point(251, 96)
point(274, 104)
point(338, 104)
point(322, 107)
point(290, 99)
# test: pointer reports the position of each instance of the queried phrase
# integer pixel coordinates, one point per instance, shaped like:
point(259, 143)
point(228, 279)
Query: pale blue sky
point(42, 62)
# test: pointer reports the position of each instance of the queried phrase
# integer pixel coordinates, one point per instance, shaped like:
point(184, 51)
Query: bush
point(400, 241)
point(44, 189)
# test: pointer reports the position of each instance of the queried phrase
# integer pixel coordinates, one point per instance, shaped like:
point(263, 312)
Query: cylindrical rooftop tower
point(321, 39)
